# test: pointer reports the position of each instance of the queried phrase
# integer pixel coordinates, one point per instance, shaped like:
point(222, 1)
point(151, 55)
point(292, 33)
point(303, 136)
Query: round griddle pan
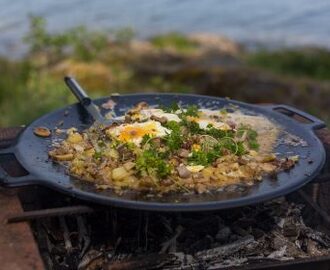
point(32, 153)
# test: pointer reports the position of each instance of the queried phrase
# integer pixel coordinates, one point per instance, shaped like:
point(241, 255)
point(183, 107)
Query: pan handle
point(7, 180)
point(314, 124)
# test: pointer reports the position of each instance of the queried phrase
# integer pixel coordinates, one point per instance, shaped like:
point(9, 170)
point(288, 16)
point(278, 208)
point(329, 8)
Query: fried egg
point(205, 118)
point(147, 113)
point(204, 122)
point(134, 132)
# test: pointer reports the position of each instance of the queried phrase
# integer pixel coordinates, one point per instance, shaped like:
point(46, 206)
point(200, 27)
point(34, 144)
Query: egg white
point(134, 132)
point(147, 113)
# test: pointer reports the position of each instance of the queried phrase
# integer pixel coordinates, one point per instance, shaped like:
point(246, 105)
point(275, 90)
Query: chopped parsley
point(146, 139)
point(173, 140)
point(251, 136)
point(97, 155)
point(217, 133)
point(170, 109)
point(150, 161)
point(214, 142)
point(191, 110)
point(205, 157)
point(192, 126)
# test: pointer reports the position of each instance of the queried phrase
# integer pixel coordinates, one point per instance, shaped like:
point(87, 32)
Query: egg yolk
point(132, 132)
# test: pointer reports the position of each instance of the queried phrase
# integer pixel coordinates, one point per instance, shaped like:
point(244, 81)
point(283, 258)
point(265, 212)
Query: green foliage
point(150, 161)
point(174, 40)
point(173, 140)
point(30, 96)
point(205, 157)
point(192, 126)
point(79, 42)
point(199, 158)
point(170, 109)
point(124, 35)
point(191, 110)
point(251, 136)
point(35, 79)
point(160, 84)
point(311, 63)
point(217, 133)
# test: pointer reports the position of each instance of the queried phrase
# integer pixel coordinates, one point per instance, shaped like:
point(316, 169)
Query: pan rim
point(182, 206)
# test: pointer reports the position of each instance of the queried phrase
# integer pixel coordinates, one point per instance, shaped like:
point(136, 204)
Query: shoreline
point(18, 50)
point(200, 63)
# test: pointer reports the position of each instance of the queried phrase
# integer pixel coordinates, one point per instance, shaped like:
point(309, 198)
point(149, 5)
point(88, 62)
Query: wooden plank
point(18, 249)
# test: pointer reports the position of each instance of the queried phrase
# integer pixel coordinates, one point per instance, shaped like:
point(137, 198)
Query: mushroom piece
point(42, 132)
point(161, 120)
point(184, 153)
point(183, 171)
point(61, 157)
point(231, 124)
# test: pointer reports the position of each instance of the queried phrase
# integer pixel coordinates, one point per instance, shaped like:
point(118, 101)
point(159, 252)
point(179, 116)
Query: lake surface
point(264, 22)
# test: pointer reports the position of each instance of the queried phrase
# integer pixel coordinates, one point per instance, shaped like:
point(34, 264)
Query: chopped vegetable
point(178, 149)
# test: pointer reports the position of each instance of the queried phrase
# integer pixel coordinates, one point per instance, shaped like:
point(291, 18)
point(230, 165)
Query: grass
point(175, 41)
point(33, 86)
point(311, 63)
point(104, 63)
point(26, 94)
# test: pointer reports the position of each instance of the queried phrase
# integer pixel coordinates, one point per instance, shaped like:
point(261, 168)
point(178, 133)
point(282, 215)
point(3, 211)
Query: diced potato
point(63, 157)
point(208, 172)
point(74, 138)
point(267, 167)
point(269, 158)
point(294, 158)
point(113, 153)
point(129, 181)
point(89, 152)
point(196, 168)
point(119, 173)
point(71, 130)
point(78, 148)
point(106, 173)
point(129, 165)
point(253, 153)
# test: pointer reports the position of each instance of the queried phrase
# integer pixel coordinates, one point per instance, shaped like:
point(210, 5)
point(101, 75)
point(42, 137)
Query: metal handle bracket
point(314, 122)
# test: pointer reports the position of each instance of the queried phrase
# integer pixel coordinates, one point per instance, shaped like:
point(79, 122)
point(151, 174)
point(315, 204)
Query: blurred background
point(253, 50)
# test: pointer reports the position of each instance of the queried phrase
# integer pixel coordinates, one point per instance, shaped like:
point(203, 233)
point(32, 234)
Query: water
point(265, 22)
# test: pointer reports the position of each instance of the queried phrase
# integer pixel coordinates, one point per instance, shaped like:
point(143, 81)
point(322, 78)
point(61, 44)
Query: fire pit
point(290, 232)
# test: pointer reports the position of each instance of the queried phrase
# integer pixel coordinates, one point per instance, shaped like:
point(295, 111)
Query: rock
point(216, 42)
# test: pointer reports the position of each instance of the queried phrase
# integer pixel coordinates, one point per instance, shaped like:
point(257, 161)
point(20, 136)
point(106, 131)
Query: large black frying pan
point(31, 151)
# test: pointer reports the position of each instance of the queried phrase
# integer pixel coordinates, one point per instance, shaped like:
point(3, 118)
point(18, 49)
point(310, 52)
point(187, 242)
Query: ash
point(121, 239)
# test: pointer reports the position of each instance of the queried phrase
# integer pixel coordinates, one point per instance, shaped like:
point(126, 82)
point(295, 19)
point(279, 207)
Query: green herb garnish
point(205, 157)
point(192, 110)
point(173, 140)
point(150, 162)
point(170, 109)
point(97, 155)
point(251, 136)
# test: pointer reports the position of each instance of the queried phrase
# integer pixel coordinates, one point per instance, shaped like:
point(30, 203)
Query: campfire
point(73, 234)
point(94, 237)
